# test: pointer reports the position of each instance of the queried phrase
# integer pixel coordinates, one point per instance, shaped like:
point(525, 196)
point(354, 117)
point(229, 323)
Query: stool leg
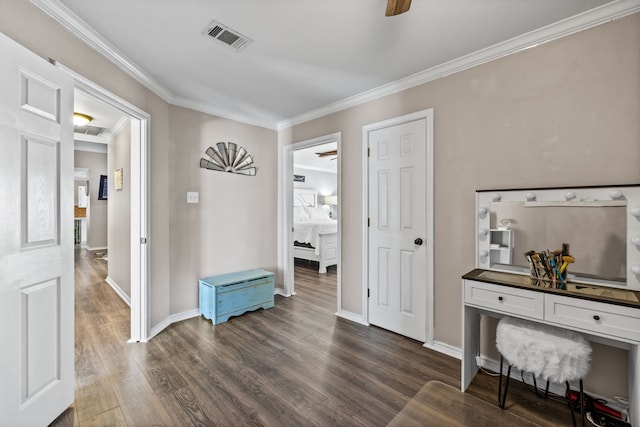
point(506, 388)
point(546, 390)
point(500, 383)
point(573, 416)
point(535, 385)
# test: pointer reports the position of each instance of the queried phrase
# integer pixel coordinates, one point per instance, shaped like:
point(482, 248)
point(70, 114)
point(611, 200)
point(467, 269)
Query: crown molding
point(94, 139)
point(314, 168)
point(80, 144)
point(79, 28)
point(84, 32)
point(192, 104)
point(591, 18)
point(118, 127)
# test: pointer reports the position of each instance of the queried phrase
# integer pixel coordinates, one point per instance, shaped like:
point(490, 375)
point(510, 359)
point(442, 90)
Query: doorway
point(317, 200)
point(139, 179)
point(398, 217)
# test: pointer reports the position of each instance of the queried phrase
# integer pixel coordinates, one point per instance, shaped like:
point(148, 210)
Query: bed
point(314, 233)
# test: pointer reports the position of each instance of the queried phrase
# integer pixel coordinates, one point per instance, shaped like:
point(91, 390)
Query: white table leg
point(470, 345)
point(634, 381)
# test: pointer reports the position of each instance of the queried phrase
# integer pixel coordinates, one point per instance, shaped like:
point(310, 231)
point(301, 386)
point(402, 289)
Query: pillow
point(299, 214)
point(318, 213)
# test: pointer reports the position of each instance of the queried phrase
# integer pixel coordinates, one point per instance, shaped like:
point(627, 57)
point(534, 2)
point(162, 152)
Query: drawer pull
point(500, 299)
point(596, 317)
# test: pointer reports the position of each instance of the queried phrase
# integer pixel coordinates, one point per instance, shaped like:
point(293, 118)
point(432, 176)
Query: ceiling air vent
point(228, 36)
point(88, 130)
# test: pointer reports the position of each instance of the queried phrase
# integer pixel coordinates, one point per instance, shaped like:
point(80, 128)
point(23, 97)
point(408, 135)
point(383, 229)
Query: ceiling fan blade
point(396, 7)
point(328, 153)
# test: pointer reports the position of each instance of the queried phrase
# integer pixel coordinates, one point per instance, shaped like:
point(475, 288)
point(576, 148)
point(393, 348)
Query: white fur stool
point(559, 355)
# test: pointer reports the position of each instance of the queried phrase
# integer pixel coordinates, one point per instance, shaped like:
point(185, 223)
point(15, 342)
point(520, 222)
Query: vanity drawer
point(520, 302)
point(595, 317)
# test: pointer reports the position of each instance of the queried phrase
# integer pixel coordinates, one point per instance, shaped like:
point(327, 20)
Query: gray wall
point(233, 226)
point(565, 113)
point(97, 213)
point(119, 156)
point(326, 183)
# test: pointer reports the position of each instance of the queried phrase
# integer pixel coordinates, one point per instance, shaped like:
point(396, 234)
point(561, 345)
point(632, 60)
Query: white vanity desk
point(606, 313)
point(609, 320)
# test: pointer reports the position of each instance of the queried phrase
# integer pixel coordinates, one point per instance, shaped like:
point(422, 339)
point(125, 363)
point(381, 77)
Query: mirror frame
point(569, 196)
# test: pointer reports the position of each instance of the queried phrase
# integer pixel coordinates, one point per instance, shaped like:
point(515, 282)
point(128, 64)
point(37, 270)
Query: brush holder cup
point(545, 282)
point(549, 269)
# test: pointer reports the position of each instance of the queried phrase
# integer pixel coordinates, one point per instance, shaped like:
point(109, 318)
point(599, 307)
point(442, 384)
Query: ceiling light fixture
point(80, 119)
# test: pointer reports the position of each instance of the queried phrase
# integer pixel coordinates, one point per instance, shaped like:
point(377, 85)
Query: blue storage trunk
point(234, 294)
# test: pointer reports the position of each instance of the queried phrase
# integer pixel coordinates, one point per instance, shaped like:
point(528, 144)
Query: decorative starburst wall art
point(227, 157)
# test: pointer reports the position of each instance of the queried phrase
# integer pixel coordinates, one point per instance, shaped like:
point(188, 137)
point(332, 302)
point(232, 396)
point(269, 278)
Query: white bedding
point(308, 231)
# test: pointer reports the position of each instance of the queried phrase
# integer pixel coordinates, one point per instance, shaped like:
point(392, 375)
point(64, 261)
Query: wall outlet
point(192, 197)
point(478, 361)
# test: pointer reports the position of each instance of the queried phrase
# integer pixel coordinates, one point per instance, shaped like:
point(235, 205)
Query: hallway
point(296, 364)
point(103, 356)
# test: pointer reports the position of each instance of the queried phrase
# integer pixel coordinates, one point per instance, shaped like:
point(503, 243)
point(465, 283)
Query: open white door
point(36, 238)
point(398, 228)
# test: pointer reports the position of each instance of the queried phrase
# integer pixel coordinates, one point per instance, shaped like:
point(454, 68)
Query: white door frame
point(140, 125)
point(366, 129)
point(287, 208)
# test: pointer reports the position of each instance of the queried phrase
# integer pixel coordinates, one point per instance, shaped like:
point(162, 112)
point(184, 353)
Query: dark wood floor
point(296, 364)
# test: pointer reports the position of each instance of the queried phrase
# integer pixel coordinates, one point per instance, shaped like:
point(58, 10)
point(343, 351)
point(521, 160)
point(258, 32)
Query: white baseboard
point(444, 348)
point(352, 316)
point(173, 319)
point(118, 290)
point(98, 248)
point(155, 330)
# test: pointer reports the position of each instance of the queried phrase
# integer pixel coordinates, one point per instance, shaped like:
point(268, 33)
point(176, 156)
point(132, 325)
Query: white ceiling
point(307, 158)
point(103, 115)
point(306, 54)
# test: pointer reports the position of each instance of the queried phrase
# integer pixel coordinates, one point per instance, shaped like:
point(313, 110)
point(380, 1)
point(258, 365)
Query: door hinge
point(368, 222)
point(292, 229)
point(143, 240)
point(368, 293)
point(368, 152)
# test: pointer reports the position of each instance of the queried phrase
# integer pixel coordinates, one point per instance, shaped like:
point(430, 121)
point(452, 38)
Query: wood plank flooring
point(296, 364)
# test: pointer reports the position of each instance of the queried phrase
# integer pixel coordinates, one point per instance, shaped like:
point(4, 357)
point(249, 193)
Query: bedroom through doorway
point(313, 244)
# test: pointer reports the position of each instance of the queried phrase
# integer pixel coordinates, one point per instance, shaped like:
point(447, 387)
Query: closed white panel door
point(397, 212)
point(36, 238)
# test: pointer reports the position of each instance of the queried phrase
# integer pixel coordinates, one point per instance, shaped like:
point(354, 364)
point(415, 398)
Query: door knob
point(418, 241)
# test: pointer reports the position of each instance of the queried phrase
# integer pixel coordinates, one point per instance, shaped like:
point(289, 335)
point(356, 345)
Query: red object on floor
point(594, 403)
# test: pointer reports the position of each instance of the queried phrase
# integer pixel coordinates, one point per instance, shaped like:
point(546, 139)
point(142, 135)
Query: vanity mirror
point(600, 224)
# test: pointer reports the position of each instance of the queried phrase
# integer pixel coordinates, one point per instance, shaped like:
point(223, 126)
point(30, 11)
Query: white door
point(397, 230)
point(36, 238)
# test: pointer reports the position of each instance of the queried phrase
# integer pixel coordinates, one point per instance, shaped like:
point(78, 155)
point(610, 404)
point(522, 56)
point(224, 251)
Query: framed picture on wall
point(118, 179)
point(103, 189)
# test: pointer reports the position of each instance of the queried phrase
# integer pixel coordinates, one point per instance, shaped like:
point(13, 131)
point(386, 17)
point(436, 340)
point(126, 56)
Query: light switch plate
point(192, 197)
